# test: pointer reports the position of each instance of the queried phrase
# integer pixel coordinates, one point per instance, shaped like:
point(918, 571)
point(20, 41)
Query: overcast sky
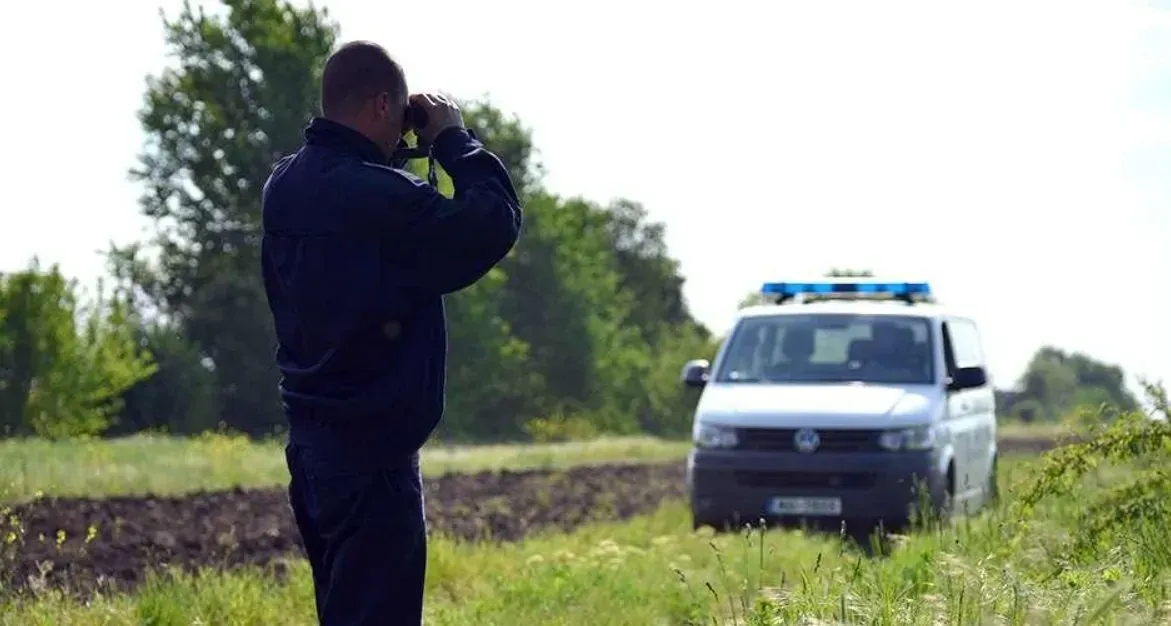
point(1016, 153)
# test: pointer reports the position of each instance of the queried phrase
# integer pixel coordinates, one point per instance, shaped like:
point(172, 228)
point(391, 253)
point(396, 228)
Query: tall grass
point(172, 465)
point(1078, 537)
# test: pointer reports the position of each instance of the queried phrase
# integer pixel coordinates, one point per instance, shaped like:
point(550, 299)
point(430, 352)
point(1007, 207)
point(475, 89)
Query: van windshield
point(829, 348)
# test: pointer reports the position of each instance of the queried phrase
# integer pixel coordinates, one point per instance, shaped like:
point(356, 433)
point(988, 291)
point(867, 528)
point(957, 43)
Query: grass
point(165, 465)
point(171, 465)
point(1011, 565)
point(1035, 430)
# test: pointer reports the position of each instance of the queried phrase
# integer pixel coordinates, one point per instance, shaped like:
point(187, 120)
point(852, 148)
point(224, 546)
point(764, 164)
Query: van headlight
point(917, 438)
point(712, 436)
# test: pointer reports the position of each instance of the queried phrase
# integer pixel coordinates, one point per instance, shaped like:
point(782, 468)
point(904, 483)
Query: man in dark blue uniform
point(357, 256)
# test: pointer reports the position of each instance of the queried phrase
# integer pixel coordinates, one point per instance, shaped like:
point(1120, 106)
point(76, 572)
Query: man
point(356, 258)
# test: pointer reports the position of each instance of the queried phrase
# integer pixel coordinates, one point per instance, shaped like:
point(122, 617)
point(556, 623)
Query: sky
point(1014, 153)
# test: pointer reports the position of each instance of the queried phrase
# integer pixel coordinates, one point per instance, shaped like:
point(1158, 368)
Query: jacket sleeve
point(450, 243)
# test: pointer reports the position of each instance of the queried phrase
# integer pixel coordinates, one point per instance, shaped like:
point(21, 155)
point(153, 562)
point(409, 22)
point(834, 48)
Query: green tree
point(669, 406)
point(754, 298)
point(646, 270)
point(508, 139)
point(586, 297)
point(579, 319)
point(181, 397)
point(492, 384)
point(244, 85)
point(63, 364)
point(600, 305)
point(843, 272)
point(1057, 382)
point(560, 299)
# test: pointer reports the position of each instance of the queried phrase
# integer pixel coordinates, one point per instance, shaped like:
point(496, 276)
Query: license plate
point(806, 506)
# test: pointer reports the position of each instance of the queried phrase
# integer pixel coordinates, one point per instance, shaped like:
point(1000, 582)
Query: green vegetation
point(160, 465)
point(164, 465)
point(63, 365)
point(579, 333)
point(1029, 561)
point(1056, 383)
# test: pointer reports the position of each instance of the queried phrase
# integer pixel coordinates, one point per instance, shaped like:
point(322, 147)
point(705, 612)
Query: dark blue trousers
point(361, 520)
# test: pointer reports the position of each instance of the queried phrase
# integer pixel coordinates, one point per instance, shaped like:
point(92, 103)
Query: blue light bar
point(825, 288)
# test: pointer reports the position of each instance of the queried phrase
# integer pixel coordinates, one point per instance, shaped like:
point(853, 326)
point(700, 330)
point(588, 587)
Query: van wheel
point(946, 503)
point(993, 487)
point(718, 525)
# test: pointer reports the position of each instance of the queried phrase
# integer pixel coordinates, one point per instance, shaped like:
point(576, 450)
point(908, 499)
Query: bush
point(63, 365)
point(1130, 513)
point(560, 427)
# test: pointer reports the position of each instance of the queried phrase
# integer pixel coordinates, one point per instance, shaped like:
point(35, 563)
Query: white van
point(841, 402)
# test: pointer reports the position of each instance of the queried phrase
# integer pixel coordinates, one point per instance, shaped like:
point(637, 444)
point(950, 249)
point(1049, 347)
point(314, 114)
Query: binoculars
point(414, 118)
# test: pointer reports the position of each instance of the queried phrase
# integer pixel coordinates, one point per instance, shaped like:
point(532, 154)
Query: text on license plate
point(806, 506)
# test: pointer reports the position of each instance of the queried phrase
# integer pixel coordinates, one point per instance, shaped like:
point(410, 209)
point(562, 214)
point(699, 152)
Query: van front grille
point(832, 440)
point(806, 480)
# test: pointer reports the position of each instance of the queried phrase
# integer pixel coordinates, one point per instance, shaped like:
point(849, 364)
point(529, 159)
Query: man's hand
point(442, 114)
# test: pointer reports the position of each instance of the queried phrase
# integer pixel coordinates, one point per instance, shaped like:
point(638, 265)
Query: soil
point(82, 545)
point(255, 526)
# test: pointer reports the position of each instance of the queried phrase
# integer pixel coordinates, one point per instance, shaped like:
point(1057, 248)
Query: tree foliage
point(845, 272)
point(580, 330)
point(64, 364)
point(582, 319)
point(242, 89)
point(1134, 508)
point(1056, 383)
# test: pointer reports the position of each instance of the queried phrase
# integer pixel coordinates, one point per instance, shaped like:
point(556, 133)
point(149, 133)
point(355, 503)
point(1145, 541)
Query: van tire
point(993, 487)
point(945, 503)
point(717, 524)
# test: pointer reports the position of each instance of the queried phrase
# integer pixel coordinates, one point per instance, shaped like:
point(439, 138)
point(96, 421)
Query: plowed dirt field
point(83, 544)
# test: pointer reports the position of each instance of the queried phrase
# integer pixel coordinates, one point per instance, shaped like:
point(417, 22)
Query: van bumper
point(739, 487)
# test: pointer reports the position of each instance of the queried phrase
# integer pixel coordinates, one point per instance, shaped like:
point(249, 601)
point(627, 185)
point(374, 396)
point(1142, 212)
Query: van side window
point(965, 343)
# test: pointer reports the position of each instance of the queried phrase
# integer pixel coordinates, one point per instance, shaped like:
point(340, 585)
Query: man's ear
point(382, 104)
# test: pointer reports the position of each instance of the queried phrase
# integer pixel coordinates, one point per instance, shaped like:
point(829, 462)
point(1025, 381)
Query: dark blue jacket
point(357, 257)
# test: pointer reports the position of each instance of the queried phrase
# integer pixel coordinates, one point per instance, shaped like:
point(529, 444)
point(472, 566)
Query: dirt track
point(239, 527)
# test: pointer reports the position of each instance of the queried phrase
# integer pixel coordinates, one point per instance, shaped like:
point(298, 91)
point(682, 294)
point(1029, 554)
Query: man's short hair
point(356, 72)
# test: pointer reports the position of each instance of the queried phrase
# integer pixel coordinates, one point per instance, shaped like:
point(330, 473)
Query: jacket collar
point(330, 134)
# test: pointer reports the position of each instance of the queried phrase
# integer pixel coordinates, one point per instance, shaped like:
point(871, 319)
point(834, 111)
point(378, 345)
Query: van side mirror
point(695, 372)
point(968, 378)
